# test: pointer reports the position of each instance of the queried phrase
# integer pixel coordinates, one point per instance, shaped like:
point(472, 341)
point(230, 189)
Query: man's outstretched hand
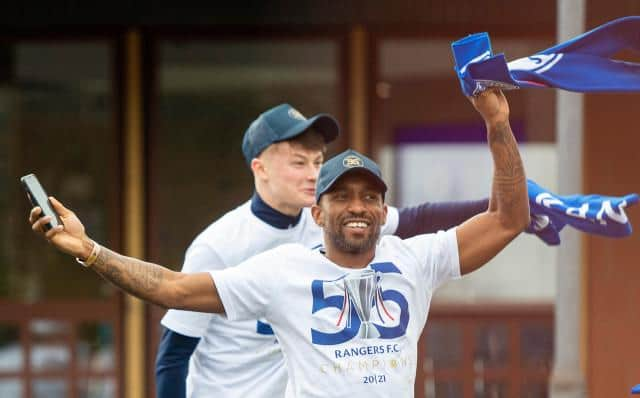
point(69, 238)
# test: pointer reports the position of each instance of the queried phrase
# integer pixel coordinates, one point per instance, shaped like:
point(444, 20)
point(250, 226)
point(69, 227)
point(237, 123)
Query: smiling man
point(204, 355)
point(346, 230)
point(348, 315)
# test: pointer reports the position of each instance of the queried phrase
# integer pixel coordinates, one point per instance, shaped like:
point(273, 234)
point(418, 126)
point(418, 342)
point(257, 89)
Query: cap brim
point(323, 123)
point(362, 170)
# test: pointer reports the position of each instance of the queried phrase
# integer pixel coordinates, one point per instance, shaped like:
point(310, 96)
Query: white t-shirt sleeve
point(199, 258)
point(393, 219)
point(246, 290)
point(438, 255)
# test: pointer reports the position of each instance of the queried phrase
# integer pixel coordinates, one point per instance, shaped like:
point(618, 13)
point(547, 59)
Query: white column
point(567, 379)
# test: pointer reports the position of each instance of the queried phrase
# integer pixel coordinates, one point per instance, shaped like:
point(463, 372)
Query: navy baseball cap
point(281, 123)
point(347, 162)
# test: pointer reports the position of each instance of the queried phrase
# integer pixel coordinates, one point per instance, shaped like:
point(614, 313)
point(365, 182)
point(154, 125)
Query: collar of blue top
point(272, 216)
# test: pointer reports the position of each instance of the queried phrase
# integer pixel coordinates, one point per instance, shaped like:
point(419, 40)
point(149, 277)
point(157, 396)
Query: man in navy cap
point(284, 151)
point(347, 314)
point(203, 354)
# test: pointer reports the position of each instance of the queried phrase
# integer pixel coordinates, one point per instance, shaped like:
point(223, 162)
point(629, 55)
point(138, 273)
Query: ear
point(259, 169)
point(384, 213)
point(317, 214)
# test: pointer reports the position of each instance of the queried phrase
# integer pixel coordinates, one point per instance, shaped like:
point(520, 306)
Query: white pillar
point(567, 379)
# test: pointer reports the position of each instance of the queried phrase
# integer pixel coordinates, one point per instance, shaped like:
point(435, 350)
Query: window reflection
point(444, 345)
point(492, 344)
point(536, 341)
point(11, 357)
point(95, 347)
point(96, 388)
point(49, 350)
point(535, 390)
point(49, 388)
point(444, 389)
point(492, 389)
point(56, 120)
point(11, 388)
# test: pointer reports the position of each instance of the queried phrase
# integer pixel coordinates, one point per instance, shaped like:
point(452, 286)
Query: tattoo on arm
point(137, 277)
point(509, 182)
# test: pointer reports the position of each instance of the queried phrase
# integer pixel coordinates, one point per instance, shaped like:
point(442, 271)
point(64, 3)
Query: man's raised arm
point(148, 281)
point(485, 235)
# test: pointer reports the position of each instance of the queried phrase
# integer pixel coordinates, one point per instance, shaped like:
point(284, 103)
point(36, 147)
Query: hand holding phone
point(39, 197)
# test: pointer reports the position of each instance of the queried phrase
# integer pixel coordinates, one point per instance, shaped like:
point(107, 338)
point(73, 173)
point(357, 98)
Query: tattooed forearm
point(134, 276)
point(509, 190)
point(505, 152)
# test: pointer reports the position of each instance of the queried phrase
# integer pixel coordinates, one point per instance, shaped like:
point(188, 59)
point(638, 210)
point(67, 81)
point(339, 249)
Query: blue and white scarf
point(582, 64)
point(595, 214)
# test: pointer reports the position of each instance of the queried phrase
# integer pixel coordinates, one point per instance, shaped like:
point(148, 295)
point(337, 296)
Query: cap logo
point(294, 114)
point(352, 161)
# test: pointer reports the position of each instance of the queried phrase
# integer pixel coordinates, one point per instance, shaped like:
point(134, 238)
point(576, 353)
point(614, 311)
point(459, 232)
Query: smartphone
point(39, 197)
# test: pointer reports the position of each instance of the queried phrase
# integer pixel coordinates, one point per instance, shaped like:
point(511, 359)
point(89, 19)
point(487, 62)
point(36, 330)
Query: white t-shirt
point(318, 322)
point(239, 359)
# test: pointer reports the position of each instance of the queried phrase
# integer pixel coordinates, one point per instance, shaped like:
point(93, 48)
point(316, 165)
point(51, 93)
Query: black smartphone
point(39, 197)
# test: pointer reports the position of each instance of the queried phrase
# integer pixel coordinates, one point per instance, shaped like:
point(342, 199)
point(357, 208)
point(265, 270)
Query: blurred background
point(132, 113)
